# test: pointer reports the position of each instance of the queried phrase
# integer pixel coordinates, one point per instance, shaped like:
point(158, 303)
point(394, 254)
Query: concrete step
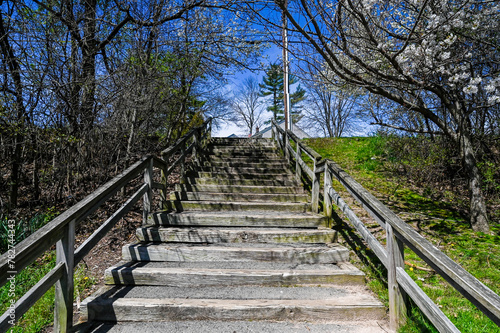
point(181, 206)
point(133, 273)
point(211, 326)
point(232, 235)
point(265, 218)
point(241, 182)
point(303, 254)
point(144, 303)
point(238, 189)
point(242, 197)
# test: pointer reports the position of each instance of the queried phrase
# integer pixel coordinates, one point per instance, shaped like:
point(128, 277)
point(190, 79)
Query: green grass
point(438, 221)
point(42, 313)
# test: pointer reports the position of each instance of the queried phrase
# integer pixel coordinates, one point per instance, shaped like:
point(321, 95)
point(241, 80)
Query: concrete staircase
point(238, 250)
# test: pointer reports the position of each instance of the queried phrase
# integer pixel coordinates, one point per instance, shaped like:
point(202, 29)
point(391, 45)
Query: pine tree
point(273, 85)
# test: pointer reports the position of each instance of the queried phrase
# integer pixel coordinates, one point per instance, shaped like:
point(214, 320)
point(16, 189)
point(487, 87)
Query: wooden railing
point(398, 235)
point(61, 232)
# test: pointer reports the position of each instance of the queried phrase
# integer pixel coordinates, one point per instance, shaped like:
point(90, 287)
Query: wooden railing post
point(183, 162)
point(148, 196)
point(164, 181)
point(285, 147)
point(196, 146)
point(209, 131)
point(315, 189)
point(397, 296)
point(65, 250)
point(327, 204)
point(298, 169)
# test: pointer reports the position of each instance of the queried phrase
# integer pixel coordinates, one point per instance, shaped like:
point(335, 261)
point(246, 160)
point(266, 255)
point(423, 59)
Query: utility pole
point(286, 93)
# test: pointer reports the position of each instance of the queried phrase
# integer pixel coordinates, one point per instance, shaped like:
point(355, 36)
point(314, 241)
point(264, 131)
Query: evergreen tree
point(273, 86)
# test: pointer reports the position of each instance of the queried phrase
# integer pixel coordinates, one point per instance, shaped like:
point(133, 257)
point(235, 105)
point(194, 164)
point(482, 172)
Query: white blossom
point(490, 88)
point(476, 81)
point(470, 89)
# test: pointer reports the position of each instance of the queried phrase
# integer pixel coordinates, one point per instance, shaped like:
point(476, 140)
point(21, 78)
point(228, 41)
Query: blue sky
point(270, 56)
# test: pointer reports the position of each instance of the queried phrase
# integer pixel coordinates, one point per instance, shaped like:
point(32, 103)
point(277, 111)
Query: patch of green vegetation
point(361, 154)
point(41, 314)
point(22, 228)
point(439, 221)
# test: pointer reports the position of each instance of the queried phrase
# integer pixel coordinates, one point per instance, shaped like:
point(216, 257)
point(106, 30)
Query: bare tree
point(247, 104)
point(332, 109)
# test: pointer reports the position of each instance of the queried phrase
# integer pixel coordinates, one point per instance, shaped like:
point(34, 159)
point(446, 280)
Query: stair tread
point(211, 326)
point(345, 295)
point(222, 251)
point(255, 214)
point(249, 203)
point(242, 246)
point(263, 195)
point(239, 265)
point(304, 254)
point(246, 229)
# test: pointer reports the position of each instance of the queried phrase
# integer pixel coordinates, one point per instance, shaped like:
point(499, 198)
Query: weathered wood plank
point(366, 199)
point(180, 159)
point(168, 252)
point(397, 297)
point(36, 244)
point(194, 277)
point(159, 163)
point(327, 204)
point(470, 287)
point(135, 309)
point(33, 295)
point(315, 189)
point(298, 169)
point(98, 234)
point(373, 243)
point(236, 235)
point(147, 198)
point(182, 141)
point(308, 150)
point(276, 126)
point(425, 304)
point(63, 303)
point(306, 168)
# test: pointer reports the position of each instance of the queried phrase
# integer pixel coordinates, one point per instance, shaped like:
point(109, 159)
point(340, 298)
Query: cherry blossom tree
point(437, 59)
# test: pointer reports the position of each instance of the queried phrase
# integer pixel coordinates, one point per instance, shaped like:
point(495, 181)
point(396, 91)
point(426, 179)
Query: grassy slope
point(41, 314)
point(437, 221)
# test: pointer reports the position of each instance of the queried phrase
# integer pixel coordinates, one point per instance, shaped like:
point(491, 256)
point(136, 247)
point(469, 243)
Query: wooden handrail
point(36, 244)
point(61, 231)
point(175, 147)
point(400, 234)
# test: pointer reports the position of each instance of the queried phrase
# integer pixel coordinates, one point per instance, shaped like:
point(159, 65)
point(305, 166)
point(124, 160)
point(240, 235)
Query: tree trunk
point(88, 50)
point(478, 212)
point(15, 71)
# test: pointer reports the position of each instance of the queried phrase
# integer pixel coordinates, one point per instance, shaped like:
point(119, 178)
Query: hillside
point(441, 221)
